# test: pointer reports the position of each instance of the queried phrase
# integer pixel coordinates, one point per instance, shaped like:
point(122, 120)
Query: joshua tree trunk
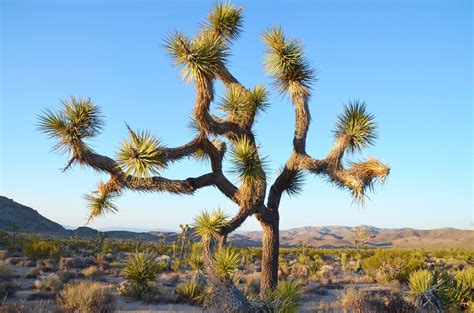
point(270, 248)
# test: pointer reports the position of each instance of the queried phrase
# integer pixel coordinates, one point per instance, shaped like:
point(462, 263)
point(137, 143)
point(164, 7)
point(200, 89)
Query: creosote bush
point(42, 249)
point(87, 297)
point(389, 265)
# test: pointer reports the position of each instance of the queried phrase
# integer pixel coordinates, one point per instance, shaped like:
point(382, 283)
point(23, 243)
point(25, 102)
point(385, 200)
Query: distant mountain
point(31, 221)
point(343, 236)
point(26, 218)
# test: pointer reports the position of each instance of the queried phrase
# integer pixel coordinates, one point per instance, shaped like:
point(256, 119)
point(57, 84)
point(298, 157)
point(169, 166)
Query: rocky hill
point(26, 218)
point(29, 220)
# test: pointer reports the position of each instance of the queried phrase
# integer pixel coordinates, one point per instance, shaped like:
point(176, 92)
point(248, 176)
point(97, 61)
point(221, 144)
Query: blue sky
point(411, 61)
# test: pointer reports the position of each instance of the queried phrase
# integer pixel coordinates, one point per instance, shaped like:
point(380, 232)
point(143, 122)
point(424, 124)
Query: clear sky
point(411, 61)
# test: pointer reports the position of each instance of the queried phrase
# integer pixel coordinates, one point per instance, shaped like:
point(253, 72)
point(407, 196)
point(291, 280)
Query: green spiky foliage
point(295, 183)
point(141, 155)
point(455, 293)
point(466, 277)
point(286, 298)
point(225, 20)
point(225, 262)
point(200, 57)
point(357, 126)
point(247, 164)
point(191, 292)
point(425, 288)
point(78, 119)
point(196, 262)
point(100, 203)
point(285, 61)
point(208, 225)
point(240, 104)
point(141, 271)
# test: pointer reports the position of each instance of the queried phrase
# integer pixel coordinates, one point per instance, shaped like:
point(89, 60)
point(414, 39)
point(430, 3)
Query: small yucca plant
point(425, 288)
point(286, 298)
point(225, 262)
point(141, 271)
point(191, 291)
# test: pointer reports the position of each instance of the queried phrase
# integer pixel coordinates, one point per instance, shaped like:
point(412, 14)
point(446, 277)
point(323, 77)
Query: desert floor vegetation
point(139, 275)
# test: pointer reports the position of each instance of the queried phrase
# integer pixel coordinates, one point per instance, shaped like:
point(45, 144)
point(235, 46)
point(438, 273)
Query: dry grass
point(7, 284)
point(87, 297)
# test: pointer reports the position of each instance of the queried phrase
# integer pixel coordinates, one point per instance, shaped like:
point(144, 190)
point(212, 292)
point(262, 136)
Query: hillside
point(343, 236)
point(29, 220)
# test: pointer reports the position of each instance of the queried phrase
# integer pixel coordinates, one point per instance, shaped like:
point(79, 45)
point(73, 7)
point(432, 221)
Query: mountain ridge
point(332, 236)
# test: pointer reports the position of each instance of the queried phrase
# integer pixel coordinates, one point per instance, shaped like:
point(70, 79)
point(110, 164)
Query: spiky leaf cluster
point(225, 20)
point(240, 105)
point(247, 163)
point(201, 57)
point(141, 155)
point(101, 203)
point(78, 119)
point(285, 61)
point(295, 182)
point(357, 126)
point(225, 262)
point(285, 298)
point(208, 225)
point(141, 271)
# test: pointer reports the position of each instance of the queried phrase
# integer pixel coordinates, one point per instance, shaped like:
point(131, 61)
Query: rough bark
point(270, 249)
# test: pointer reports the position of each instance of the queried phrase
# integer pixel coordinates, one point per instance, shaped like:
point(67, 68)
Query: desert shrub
point(353, 299)
point(191, 292)
point(7, 283)
point(364, 300)
point(388, 265)
point(92, 272)
point(141, 271)
point(176, 265)
point(42, 249)
point(286, 298)
point(302, 265)
point(252, 283)
point(87, 297)
point(344, 260)
point(50, 282)
point(39, 306)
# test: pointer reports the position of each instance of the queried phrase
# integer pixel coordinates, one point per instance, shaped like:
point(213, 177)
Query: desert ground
point(47, 274)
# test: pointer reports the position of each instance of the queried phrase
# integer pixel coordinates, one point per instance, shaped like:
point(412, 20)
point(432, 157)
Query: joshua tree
point(203, 59)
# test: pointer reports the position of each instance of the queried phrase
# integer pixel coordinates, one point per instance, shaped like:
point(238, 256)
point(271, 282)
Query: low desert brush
point(7, 284)
point(86, 297)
